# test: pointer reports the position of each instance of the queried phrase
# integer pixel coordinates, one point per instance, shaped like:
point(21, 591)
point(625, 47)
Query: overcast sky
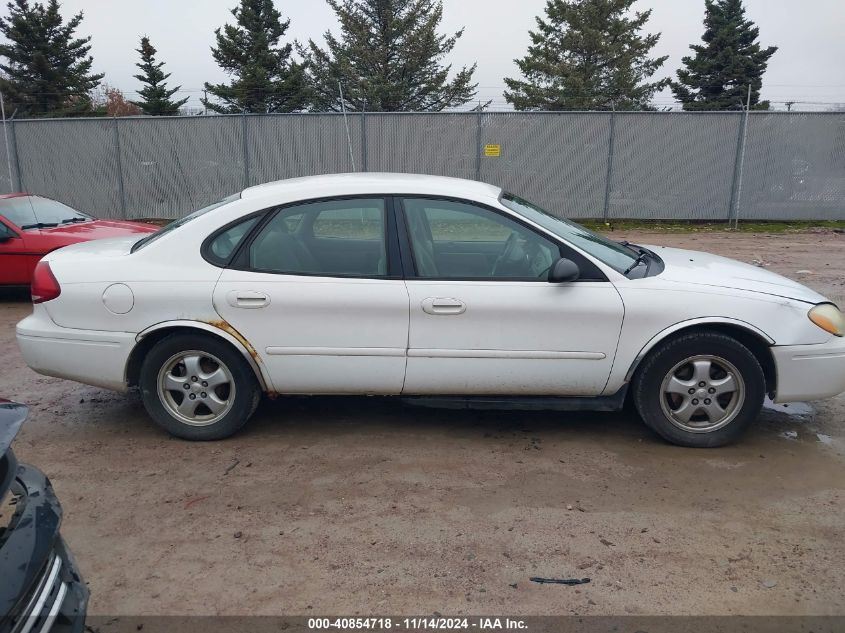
point(808, 67)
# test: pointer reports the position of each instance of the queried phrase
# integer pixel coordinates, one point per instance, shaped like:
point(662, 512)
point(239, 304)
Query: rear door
point(484, 318)
point(318, 292)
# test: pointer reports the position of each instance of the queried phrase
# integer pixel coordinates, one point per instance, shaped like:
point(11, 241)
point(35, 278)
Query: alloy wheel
point(702, 394)
point(196, 387)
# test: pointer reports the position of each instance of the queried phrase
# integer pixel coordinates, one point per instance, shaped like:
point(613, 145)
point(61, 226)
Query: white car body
point(407, 336)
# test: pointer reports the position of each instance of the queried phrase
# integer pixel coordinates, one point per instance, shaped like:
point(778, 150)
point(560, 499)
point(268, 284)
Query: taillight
point(44, 284)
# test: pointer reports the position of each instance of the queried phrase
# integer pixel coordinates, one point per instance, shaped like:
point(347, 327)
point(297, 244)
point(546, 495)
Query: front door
point(484, 318)
point(316, 295)
point(17, 259)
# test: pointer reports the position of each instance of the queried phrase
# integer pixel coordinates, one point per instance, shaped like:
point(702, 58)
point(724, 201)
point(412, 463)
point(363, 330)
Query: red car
point(32, 226)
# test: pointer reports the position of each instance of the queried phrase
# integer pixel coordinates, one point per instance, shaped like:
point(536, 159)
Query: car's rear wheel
point(197, 387)
point(701, 389)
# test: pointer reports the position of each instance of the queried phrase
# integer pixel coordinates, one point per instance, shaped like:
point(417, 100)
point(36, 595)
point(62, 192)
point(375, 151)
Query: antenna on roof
point(346, 123)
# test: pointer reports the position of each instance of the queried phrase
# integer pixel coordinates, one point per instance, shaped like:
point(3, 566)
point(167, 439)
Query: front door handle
point(247, 299)
point(443, 306)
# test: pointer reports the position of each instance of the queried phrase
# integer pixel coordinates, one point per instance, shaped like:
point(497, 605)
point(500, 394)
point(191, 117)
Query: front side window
point(343, 238)
point(457, 240)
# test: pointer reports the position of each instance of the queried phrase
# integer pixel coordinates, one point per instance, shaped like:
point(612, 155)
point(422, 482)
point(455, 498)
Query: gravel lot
point(370, 506)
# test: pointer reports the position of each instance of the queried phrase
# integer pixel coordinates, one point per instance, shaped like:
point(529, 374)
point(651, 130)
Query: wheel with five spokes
point(198, 387)
point(701, 389)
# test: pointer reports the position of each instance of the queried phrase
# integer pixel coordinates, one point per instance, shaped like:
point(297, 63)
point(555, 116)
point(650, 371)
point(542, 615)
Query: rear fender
point(221, 329)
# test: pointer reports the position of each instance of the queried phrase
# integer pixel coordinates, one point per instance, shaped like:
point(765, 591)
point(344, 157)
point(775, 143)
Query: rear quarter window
point(221, 248)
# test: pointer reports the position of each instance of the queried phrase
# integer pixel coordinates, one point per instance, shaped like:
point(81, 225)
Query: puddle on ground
point(792, 409)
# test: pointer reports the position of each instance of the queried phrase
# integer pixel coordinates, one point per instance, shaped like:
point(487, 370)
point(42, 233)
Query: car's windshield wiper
point(39, 225)
point(642, 258)
point(633, 247)
point(74, 220)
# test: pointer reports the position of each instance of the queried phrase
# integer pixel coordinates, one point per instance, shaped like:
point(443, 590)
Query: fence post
point(611, 147)
point(478, 148)
point(363, 140)
point(244, 133)
point(739, 164)
point(737, 167)
point(119, 163)
point(18, 175)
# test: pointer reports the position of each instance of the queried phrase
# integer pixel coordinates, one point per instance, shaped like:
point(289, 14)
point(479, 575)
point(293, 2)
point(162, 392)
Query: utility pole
point(789, 105)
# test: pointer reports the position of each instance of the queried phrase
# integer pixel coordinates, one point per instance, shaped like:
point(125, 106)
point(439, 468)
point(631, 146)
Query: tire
point(214, 406)
point(683, 386)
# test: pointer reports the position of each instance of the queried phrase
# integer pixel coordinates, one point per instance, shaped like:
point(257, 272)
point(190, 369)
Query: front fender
point(690, 323)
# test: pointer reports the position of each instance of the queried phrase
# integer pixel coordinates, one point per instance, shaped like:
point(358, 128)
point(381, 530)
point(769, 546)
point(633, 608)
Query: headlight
point(828, 317)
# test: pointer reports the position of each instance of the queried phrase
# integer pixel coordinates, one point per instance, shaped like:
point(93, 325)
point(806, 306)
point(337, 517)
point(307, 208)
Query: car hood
point(695, 267)
point(12, 416)
point(98, 229)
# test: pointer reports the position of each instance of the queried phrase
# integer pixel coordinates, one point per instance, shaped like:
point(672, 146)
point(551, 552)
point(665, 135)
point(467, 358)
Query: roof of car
point(376, 183)
point(18, 194)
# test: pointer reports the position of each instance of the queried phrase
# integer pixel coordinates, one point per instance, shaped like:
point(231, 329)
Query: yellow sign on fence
point(493, 151)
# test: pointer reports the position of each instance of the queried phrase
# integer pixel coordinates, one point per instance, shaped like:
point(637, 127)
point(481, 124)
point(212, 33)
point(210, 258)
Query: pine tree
point(387, 58)
point(587, 55)
point(717, 77)
point(47, 71)
point(265, 78)
point(155, 95)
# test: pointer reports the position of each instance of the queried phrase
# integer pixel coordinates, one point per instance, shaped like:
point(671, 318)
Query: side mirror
point(563, 271)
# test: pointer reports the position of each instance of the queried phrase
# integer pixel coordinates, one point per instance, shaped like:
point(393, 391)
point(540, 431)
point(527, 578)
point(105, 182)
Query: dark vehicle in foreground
point(40, 587)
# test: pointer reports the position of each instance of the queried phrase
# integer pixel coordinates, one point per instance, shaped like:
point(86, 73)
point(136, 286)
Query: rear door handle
point(247, 299)
point(443, 306)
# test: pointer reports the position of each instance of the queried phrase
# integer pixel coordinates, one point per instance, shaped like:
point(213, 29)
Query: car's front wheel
point(197, 387)
point(701, 389)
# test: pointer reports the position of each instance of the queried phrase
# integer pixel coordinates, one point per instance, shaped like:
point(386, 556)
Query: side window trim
point(240, 259)
point(407, 248)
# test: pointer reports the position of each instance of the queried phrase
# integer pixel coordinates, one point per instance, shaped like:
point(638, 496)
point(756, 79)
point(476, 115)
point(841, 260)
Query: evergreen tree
point(587, 55)
point(155, 95)
point(47, 70)
point(388, 58)
point(265, 78)
point(717, 77)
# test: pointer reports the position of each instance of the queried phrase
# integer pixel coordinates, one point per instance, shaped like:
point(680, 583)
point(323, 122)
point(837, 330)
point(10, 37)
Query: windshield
point(612, 253)
point(33, 212)
point(181, 222)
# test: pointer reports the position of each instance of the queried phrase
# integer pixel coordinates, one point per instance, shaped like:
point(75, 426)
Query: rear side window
point(220, 249)
point(338, 238)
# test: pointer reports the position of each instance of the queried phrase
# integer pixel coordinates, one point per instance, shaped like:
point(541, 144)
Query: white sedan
point(408, 285)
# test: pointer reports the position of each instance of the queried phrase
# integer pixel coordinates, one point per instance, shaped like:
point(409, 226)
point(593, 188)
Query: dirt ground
point(371, 506)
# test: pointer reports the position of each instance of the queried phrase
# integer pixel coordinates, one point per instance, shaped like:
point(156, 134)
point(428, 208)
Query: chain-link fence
point(645, 165)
